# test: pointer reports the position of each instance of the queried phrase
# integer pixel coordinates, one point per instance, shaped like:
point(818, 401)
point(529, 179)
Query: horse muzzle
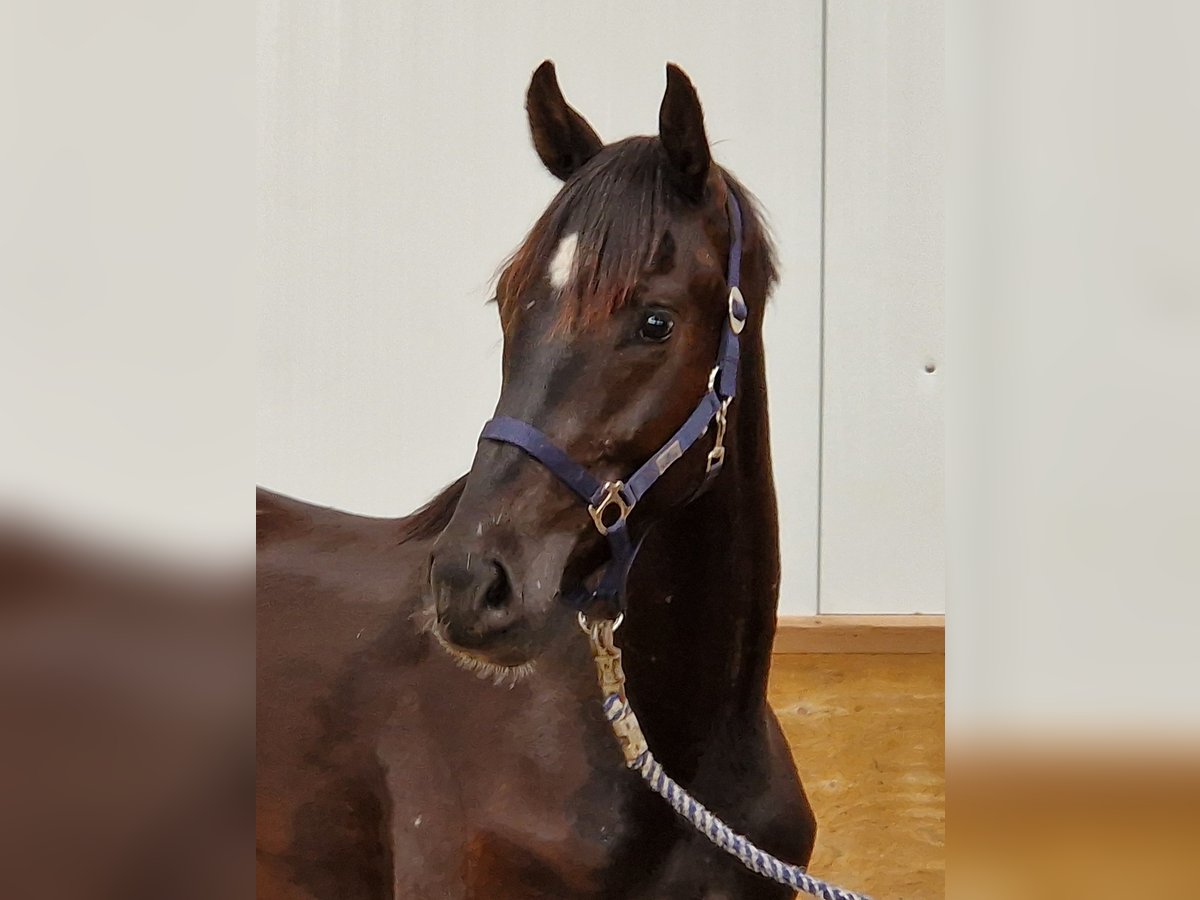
point(478, 610)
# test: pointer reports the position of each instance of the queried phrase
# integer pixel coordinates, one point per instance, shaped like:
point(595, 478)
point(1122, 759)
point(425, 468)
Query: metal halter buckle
point(612, 497)
point(716, 456)
point(735, 302)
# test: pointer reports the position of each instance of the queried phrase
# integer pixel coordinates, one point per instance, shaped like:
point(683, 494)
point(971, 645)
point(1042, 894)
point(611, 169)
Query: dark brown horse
point(429, 722)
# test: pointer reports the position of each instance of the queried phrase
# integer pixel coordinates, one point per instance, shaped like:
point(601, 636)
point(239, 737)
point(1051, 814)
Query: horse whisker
point(482, 668)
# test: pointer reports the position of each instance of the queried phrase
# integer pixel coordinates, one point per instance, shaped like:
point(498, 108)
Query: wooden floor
point(867, 734)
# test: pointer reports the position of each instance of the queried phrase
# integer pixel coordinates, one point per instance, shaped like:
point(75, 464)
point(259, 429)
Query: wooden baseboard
point(861, 634)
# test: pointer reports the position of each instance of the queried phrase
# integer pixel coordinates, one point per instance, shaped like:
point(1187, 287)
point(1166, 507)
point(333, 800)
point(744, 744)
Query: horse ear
point(562, 137)
point(681, 130)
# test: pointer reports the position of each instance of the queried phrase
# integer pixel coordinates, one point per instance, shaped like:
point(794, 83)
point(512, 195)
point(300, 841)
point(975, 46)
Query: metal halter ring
point(612, 497)
point(736, 303)
point(589, 626)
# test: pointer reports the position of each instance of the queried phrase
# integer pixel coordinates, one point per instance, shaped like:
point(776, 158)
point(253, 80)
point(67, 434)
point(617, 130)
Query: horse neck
point(706, 587)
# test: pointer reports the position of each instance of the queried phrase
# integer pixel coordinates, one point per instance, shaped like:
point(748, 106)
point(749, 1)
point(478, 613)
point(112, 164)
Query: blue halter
point(610, 502)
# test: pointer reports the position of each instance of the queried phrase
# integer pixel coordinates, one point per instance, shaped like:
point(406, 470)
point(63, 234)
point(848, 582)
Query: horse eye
point(657, 326)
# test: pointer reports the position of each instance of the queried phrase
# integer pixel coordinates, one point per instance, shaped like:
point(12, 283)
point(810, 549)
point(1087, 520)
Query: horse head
point(613, 311)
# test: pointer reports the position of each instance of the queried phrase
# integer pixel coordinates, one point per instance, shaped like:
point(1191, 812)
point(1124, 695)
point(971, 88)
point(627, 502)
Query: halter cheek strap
point(610, 503)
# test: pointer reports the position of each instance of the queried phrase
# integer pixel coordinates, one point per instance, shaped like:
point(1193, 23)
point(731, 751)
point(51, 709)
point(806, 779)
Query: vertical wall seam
point(824, 137)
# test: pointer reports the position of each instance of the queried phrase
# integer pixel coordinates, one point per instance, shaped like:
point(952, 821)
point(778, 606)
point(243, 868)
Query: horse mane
point(620, 206)
point(432, 518)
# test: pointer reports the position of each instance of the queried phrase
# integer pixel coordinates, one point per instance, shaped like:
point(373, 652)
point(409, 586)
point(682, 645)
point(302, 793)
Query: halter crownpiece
point(611, 502)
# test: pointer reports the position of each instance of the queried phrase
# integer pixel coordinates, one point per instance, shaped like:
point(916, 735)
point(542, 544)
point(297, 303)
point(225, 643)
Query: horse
point(429, 723)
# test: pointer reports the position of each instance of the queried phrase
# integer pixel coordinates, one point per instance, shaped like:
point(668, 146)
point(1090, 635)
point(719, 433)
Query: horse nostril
point(499, 592)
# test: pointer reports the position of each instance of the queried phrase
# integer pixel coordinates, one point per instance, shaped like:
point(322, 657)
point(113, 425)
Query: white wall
point(882, 497)
point(396, 173)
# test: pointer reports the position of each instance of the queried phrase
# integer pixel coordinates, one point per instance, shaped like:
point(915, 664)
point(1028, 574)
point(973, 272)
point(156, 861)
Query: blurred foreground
point(1074, 821)
point(126, 724)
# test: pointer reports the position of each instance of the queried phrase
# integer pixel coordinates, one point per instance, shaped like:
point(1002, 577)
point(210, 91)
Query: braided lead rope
point(638, 756)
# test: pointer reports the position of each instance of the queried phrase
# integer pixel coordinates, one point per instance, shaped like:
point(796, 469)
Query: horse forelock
point(604, 229)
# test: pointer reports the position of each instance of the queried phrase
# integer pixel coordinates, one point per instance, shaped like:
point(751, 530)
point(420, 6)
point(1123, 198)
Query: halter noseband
point(611, 502)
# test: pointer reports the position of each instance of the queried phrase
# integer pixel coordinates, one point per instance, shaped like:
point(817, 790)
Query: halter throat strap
point(610, 502)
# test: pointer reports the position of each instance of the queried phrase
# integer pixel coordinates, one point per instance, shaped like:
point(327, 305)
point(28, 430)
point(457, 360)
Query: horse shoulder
point(335, 611)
